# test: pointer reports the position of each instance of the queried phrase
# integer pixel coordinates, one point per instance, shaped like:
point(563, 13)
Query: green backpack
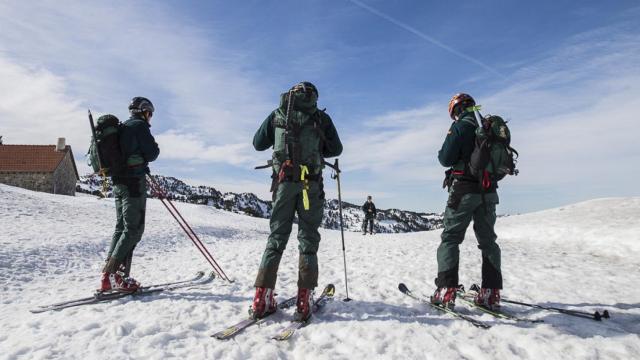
point(493, 158)
point(298, 136)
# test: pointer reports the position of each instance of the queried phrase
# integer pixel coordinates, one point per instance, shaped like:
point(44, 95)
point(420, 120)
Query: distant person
point(369, 209)
point(130, 190)
point(301, 136)
point(469, 199)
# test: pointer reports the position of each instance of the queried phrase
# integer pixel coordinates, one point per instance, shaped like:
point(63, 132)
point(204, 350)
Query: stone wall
point(62, 181)
point(31, 181)
point(64, 178)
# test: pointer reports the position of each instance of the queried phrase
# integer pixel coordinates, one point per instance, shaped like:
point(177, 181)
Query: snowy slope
point(583, 256)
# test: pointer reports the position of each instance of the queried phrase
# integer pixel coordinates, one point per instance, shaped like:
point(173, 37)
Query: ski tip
point(403, 288)
point(200, 273)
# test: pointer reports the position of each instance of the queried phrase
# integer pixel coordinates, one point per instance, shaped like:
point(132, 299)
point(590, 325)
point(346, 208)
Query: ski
point(99, 297)
point(467, 298)
point(323, 299)
point(234, 329)
point(477, 323)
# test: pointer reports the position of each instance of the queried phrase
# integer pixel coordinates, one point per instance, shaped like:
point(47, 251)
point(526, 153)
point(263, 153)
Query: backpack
point(493, 158)
point(105, 155)
point(298, 137)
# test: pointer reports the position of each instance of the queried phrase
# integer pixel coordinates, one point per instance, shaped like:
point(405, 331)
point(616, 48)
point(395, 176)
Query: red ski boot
point(264, 303)
point(445, 297)
point(489, 298)
point(115, 282)
point(303, 305)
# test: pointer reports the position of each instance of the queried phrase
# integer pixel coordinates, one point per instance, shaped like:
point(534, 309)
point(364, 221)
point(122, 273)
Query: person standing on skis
point(369, 209)
point(302, 137)
point(130, 190)
point(468, 200)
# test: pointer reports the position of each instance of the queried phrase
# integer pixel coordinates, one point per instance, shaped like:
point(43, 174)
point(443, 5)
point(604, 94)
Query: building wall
point(64, 178)
point(31, 181)
point(61, 181)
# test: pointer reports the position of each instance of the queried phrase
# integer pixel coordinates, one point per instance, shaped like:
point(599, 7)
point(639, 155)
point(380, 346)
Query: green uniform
point(130, 191)
point(467, 201)
point(289, 201)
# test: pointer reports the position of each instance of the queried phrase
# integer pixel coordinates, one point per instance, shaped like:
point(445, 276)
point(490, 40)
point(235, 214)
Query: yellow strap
point(305, 195)
point(104, 182)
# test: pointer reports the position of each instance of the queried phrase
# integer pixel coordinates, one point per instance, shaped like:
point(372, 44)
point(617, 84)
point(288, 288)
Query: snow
point(583, 256)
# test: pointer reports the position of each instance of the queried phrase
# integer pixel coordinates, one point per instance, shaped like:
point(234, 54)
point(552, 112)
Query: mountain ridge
point(387, 220)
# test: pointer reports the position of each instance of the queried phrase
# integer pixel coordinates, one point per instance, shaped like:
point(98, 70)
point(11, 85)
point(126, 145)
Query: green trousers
point(456, 221)
point(289, 201)
point(131, 203)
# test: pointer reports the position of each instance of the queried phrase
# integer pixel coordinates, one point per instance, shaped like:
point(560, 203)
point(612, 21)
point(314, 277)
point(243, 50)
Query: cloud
point(99, 55)
point(572, 115)
point(35, 109)
point(194, 149)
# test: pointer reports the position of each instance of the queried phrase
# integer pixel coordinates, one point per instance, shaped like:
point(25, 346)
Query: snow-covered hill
point(583, 256)
point(388, 221)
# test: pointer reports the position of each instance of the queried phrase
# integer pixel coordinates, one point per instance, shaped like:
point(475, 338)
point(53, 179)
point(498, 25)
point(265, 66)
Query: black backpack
point(105, 154)
point(493, 158)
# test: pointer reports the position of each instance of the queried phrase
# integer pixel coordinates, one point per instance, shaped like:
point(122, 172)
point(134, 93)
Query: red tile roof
point(32, 158)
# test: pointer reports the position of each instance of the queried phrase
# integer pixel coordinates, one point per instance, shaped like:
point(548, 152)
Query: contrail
point(426, 37)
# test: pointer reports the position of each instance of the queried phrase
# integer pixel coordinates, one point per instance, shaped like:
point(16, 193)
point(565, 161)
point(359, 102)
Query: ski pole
point(583, 314)
point(187, 228)
point(336, 168)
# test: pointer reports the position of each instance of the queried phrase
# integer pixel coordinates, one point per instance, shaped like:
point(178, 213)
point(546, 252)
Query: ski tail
point(404, 289)
point(235, 329)
point(326, 296)
point(468, 298)
point(477, 323)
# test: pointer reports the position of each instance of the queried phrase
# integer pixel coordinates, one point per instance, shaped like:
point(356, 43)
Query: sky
point(565, 74)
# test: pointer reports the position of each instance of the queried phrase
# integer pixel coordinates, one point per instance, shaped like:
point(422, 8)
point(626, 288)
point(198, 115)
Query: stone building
point(46, 168)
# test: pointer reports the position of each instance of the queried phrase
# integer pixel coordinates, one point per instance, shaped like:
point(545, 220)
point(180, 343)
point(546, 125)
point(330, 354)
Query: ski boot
point(304, 303)
point(115, 282)
point(488, 298)
point(264, 303)
point(445, 297)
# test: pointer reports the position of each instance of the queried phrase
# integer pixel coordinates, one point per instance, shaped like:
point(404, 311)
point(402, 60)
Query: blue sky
point(566, 74)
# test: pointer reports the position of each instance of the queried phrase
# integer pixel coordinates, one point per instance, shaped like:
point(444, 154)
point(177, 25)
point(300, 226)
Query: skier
point(301, 136)
point(467, 201)
point(130, 190)
point(369, 209)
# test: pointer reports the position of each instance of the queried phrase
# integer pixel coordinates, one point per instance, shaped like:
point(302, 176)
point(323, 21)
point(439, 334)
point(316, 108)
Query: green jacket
point(459, 143)
point(138, 146)
point(265, 136)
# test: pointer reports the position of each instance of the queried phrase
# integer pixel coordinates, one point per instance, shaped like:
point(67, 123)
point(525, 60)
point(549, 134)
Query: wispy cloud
point(102, 54)
point(426, 37)
point(572, 116)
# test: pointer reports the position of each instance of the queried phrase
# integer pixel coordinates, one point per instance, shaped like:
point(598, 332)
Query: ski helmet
point(305, 87)
point(140, 104)
point(465, 100)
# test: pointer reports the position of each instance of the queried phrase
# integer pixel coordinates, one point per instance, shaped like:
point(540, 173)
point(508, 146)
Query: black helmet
point(140, 104)
point(305, 87)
